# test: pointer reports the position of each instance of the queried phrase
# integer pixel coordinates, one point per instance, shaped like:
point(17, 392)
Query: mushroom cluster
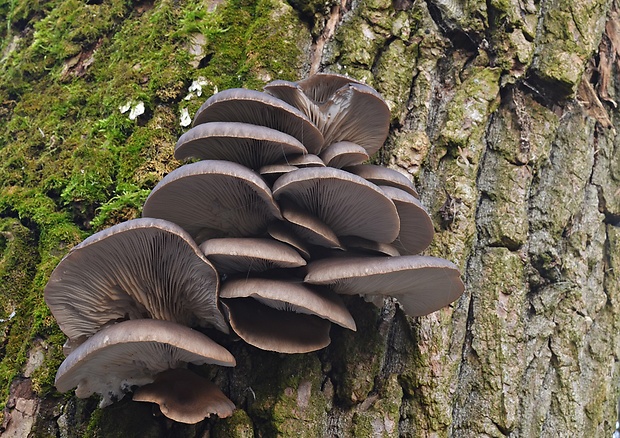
point(275, 217)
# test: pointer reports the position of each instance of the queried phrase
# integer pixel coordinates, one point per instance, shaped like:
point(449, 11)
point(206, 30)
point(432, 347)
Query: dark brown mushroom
point(416, 227)
point(131, 353)
point(143, 268)
point(251, 145)
point(347, 203)
point(185, 397)
point(213, 199)
point(343, 154)
point(250, 254)
point(256, 108)
point(309, 227)
point(421, 284)
point(384, 176)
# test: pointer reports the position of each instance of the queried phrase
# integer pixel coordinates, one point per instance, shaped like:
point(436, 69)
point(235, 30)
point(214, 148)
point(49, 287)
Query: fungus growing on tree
point(143, 268)
point(284, 209)
point(131, 353)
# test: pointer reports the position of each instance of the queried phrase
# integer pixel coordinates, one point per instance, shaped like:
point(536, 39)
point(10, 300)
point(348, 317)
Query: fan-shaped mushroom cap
point(384, 176)
point(306, 160)
point(416, 226)
point(282, 233)
point(131, 353)
point(309, 227)
point(347, 203)
point(290, 296)
point(356, 113)
point(274, 330)
point(271, 172)
point(143, 268)
point(343, 154)
point(245, 254)
point(292, 94)
point(213, 199)
point(421, 284)
point(251, 145)
point(254, 107)
point(185, 397)
point(321, 86)
point(369, 246)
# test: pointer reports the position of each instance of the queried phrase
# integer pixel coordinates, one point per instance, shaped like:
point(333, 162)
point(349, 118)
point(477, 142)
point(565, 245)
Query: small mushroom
point(143, 268)
point(384, 176)
point(275, 330)
point(369, 246)
point(416, 227)
point(343, 154)
point(185, 397)
point(271, 172)
point(282, 233)
point(306, 160)
point(309, 227)
point(250, 254)
point(131, 353)
point(421, 284)
point(347, 203)
point(213, 199)
point(292, 296)
point(321, 86)
point(251, 145)
point(256, 108)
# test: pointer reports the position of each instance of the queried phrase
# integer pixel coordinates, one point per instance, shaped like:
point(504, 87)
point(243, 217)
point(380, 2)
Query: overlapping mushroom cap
point(131, 353)
point(284, 208)
point(143, 268)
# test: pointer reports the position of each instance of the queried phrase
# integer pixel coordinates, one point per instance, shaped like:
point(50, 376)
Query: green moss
point(381, 418)
point(239, 425)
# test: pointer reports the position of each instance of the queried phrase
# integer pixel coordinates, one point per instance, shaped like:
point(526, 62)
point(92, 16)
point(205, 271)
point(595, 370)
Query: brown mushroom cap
point(416, 226)
point(321, 86)
point(343, 154)
point(256, 108)
point(347, 203)
point(271, 172)
point(213, 199)
point(143, 268)
point(185, 397)
point(290, 295)
point(309, 227)
point(251, 145)
point(421, 284)
point(275, 330)
point(250, 254)
point(369, 246)
point(292, 94)
point(131, 353)
point(282, 233)
point(384, 176)
point(306, 160)
point(356, 113)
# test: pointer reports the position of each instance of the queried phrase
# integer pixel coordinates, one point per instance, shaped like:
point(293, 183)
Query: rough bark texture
point(504, 113)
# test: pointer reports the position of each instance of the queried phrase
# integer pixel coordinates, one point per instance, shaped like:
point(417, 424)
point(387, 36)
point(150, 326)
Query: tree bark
point(503, 112)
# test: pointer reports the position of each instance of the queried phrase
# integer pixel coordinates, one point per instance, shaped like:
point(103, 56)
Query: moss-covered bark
point(503, 112)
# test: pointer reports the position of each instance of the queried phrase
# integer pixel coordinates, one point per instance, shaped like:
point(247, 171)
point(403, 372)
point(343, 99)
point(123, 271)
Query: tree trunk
point(505, 114)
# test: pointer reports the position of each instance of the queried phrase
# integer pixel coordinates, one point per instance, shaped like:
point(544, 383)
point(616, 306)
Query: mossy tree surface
point(504, 113)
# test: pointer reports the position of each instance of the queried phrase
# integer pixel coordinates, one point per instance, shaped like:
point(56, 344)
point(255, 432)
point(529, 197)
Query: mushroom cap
point(384, 176)
point(421, 284)
point(142, 268)
point(369, 246)
point(355, 113)
point(185, 397)
point(321, 86)
point(271, 172)
point(306, 160)
point(251, 145)
point(416, 226)
point(347, 203)
point(254, 107)
point(309, 227)
point(131, 353)
point(291, 295)
point(213, 199)
point(343, 154)
point(282, 233)
point(275, 330)
point(244, 254)
point(292, 94)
